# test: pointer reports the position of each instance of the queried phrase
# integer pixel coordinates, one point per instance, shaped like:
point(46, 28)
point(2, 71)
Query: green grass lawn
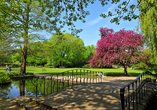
point(108, 72)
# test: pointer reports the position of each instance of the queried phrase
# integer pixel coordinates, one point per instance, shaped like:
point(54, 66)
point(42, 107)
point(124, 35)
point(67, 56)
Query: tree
point(126, 9)
point(65, 50)
point(122, 47)
point(90, 50)
point(36, 54)
point(147, 17)
point(148, 20)
point(22, 18)
point(16, 57)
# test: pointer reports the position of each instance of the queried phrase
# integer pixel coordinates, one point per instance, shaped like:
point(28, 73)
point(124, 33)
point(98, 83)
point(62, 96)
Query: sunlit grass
point(107, 71)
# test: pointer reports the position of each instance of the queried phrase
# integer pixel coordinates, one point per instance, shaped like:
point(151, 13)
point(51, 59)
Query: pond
point(34, 87)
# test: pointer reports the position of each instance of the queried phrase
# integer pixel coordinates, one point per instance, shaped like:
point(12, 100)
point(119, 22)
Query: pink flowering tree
point(122, 47)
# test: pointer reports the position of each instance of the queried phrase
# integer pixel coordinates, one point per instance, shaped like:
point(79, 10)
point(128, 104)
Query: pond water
point(34, 87)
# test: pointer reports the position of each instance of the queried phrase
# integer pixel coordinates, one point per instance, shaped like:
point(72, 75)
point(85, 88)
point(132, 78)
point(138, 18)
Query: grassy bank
point(109, 72)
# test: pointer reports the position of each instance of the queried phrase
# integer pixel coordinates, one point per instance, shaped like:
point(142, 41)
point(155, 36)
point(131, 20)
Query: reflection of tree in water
point(5, 89)
point(32, 86)
point(22, 87)
point(35, 87)
point(40, 86)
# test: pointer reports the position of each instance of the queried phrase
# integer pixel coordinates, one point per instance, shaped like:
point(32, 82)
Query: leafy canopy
point(122, 47)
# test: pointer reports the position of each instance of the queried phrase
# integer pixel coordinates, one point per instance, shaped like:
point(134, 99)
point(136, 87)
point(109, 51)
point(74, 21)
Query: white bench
point(102, 75)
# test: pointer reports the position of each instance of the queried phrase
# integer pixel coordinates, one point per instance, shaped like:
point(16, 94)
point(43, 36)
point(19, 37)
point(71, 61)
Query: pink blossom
point(117, 47)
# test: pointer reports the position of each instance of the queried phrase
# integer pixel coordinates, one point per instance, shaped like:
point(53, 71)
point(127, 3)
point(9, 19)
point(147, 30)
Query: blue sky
point(90, 33)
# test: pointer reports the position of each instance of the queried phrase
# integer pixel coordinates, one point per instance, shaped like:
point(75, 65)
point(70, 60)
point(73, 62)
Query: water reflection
point(34, 87)
point(22, 87)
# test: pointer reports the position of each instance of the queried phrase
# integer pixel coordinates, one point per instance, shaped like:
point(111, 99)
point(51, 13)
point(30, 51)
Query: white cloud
point(91, 23)
point(95, 21)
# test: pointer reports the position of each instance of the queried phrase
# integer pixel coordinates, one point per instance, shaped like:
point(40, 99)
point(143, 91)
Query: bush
point(46, 65)
point(140, 66)
point(11, 74)
point(40, 66)
point(86, 66)
point(2, 73)
point(5, 79)
point(15, 66)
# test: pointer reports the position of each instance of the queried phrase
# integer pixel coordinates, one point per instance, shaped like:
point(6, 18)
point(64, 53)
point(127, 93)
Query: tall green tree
point(148, 20)
point(90, 50)
point(65, 50)
point(22, 18)
point(35, 54)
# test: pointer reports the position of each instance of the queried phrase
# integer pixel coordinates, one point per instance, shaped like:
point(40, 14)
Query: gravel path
point(99, 96)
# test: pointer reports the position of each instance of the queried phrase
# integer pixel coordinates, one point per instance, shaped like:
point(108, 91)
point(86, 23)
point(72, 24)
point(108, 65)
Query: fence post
point(68, 78)
point(136, 97)
point(87, 76)
point(44, 85)
point(51, 84)
point(90, 76)
point(76, 76)
point(84, 75)
point(72, 77)
point(57, 82)
point(80, 75)
point(93, 76)
point(101, 77)
point(122, 97)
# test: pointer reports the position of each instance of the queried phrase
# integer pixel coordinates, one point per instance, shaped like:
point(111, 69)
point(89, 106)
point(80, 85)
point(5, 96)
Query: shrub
point(46, 65)
point(16, 64)
point(40, 66)
point(140, 66)
point(2, 73)
point(5, 79)
point(86, 66)
point(10, 74)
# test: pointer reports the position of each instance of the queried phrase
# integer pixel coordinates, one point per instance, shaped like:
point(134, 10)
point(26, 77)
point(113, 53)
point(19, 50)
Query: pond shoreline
point(22, 77)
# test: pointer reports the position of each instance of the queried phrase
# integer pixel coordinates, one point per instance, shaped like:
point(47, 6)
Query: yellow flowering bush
point(5, 79)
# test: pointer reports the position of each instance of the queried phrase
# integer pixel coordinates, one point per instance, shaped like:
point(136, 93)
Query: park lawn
point(107, 71)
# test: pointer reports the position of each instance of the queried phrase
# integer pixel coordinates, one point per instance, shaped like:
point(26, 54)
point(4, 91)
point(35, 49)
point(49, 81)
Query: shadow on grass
point(122, 74)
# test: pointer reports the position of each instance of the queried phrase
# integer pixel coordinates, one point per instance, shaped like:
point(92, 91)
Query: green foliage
point(16, 58)
point(16, 64)
point(23, 19)
point(36, 54)
point(148, 20)
point(140, 65)
point(10, 74)
point(90, 50)
point(125, 10)
point(65, 50)
point(86, 66)
point(5, 79)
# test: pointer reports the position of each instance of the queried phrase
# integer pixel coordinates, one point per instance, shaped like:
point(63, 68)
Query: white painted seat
point(102, 75)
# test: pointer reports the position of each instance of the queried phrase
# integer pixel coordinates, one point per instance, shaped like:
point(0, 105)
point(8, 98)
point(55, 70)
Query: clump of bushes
point(9, 74)
point(5, 79)
point(86, 66)
point(140, 66)
point(16, 64)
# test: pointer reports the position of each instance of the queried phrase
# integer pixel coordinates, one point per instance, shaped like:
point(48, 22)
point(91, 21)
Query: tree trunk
point(125, 70)
point(22, 87)
point(23, 62)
